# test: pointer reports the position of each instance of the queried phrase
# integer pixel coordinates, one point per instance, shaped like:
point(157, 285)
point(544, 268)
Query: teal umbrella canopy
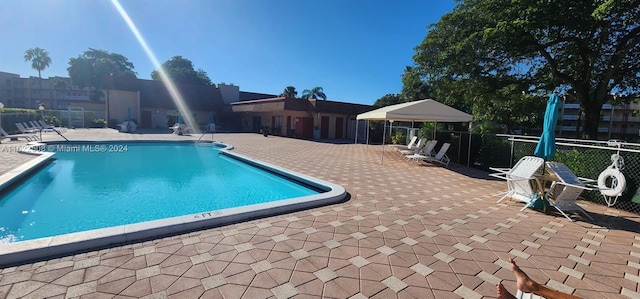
point(547, 145)
point(179, 117)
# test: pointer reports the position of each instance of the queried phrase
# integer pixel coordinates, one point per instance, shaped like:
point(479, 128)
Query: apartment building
point(53, 92)
point(616, 121)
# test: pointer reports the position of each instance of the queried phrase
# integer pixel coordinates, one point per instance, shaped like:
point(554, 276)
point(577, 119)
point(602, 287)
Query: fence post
point(511, 155)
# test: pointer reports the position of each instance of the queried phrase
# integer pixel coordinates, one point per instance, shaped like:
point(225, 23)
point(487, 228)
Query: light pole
point(41, 108)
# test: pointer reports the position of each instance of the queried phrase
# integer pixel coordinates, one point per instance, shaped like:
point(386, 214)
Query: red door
point(304, 127)
point(324, 127)
point(339, 127)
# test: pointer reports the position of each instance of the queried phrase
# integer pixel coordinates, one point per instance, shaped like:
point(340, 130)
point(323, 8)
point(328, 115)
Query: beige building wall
point(266, 117)
point(120, 103)
point(317, 121)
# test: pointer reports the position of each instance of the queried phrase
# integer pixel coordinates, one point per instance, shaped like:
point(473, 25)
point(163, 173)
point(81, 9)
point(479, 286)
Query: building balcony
point(570, 117)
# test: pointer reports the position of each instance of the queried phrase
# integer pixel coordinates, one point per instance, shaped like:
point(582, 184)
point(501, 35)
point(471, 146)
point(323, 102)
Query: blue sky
point(355, 49)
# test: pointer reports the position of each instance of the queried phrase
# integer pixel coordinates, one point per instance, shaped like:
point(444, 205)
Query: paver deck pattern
point(407, 231)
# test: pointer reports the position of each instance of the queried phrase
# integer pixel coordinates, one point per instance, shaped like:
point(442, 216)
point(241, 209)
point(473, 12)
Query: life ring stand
point(618, 181)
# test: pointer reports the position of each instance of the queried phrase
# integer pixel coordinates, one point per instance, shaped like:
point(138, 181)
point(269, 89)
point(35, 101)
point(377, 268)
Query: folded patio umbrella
point(546, 147)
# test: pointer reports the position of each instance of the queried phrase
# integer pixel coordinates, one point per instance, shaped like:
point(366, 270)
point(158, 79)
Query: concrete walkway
point(407, 231)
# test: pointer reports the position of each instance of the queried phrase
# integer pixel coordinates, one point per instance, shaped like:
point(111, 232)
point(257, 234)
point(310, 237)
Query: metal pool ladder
point(59, 133)
point(204, 133)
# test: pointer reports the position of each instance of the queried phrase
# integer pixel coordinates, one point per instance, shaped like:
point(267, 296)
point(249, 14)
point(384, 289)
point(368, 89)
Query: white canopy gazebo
point(428, 110)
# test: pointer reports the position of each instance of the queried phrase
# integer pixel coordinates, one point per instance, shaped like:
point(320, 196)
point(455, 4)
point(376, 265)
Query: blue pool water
point(89, 189)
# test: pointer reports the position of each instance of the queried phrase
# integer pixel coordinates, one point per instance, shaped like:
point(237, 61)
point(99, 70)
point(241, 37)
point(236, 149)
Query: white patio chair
point(28, 137)
point(45, 125)
point(424, 153)
point(37, 125)
point(522, 184)
point(417, 147)
point(523, 295)
point(405, 147)
point(441, 157)
point(563, 194)
point(24, 130)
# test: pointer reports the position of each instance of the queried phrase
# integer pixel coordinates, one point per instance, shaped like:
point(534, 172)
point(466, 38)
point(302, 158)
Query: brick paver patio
point(407, 231)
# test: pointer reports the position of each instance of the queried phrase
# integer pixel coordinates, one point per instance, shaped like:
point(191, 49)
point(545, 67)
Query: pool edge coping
point(69, 244)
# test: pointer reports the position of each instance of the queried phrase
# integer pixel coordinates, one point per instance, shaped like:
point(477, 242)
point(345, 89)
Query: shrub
point(52, 120)
point(98, 123)
point(398, 138)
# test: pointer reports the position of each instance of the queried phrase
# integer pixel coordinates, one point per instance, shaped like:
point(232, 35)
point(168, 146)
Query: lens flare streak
point(171, 87)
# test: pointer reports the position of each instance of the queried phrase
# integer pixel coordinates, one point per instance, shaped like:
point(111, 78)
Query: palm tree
point(39, 58)
point(289, 92)
point(314, 93)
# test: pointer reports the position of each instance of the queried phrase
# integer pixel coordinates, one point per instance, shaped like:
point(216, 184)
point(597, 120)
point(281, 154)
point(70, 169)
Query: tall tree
point(39, 58)
point(587, 48)
point(314, 93)
point(413, 88)
point(289, 92)
point(388, 100)
point(95, 68)
point(180, 70)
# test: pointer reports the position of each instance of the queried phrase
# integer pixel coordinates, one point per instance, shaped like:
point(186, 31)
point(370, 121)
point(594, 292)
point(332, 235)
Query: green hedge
point(11, 116)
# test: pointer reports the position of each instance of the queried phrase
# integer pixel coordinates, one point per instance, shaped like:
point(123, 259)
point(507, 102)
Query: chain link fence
point(586, 158)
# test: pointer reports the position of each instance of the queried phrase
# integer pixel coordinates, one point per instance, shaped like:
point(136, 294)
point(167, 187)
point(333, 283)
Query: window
point(278, 121)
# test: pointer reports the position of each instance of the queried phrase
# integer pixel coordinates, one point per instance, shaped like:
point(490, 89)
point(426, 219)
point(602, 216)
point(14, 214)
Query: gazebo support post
point(469, 150)
point(384, 134)
point(356, 141)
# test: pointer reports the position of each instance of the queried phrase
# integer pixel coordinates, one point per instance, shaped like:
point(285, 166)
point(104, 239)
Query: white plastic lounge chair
point(29, 127)
point(423, 154)
point(441, 157)
point(39, 127)
point(521, 182)
point(181, 129)
point(563, 194)
point(25, 130)
point(28, 137)
point(416, 148)
point(46, 126)
point(522, 295)
point(127, 126)
point(405, 147)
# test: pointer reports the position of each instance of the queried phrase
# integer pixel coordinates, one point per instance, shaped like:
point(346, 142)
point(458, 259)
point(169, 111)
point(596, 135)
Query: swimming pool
point(105, 193)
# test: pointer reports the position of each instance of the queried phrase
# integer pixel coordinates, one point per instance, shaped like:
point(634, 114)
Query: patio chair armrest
point(503, 175)
point(499, 169)
point(583, 187)
point(587, 180)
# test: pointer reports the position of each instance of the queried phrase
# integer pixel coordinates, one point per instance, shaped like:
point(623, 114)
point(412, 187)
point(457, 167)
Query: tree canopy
point(314, 93)
point(388, 100)
point(289, 92)
point(95, 68)
point(180, 70)
point(39, 58)
point(487, 53)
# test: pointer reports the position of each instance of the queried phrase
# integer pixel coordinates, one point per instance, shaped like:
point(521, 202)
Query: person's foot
point(503, 293)
point(523, 282)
